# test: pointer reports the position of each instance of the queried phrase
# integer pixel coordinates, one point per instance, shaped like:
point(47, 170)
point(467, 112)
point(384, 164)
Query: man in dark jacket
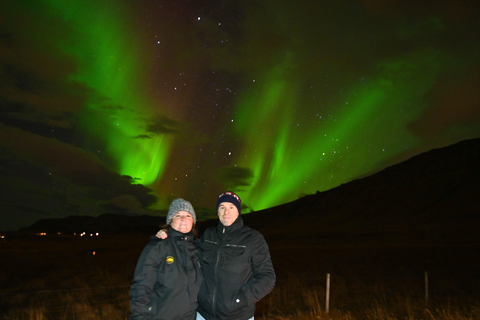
point(168, 273)
point(236, 263)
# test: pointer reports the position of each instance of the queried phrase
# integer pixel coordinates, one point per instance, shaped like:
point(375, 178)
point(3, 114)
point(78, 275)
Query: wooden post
point(327, 294)
point(426, 286)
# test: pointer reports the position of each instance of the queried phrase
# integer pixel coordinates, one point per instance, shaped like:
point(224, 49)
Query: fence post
point(426, 286)
point(327, 294)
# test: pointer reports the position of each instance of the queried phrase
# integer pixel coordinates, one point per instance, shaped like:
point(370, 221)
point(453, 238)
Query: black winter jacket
point(237, 271)
point(167, 279)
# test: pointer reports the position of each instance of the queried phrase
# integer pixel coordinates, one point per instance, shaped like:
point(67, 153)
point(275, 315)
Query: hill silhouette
point(431, 197)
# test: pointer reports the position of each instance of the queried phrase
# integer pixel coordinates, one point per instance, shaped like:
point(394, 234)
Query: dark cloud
point(34, 73)
point(46, 175)
point(36, 93)
point(162, 125)
point(235, 178)
point(454, 101)
point(452, 10)
point(46, 168)
point(143, 136)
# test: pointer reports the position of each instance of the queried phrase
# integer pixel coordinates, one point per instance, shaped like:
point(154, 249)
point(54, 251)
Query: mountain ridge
point(432, 193)
point(429, 196)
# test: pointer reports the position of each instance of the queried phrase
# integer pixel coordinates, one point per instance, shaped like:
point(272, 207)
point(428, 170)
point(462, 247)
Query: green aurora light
point(109, 63)
point(274, 100)
point(105, 51)
point(266, 125)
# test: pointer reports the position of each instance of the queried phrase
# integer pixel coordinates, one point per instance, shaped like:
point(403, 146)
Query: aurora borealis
point(121, 106)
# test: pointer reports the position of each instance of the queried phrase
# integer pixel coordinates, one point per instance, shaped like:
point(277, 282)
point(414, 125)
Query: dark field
point(67, 277)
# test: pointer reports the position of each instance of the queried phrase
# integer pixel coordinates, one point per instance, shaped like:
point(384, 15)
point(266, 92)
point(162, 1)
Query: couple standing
point(233, 260)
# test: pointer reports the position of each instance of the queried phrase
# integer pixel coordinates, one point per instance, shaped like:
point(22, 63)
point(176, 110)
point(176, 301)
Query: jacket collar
point(176, 234)
point(236, 225)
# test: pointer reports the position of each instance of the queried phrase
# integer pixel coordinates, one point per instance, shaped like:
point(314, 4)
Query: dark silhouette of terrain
point(430, 198)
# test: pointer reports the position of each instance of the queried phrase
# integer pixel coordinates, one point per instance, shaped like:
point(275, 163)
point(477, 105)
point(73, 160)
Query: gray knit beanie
point(178, 205)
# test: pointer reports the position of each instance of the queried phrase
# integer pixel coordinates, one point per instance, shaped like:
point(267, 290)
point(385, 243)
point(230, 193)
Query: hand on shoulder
point(162, 234)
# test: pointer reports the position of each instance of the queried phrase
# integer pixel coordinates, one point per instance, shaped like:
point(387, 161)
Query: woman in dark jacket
point(168, 273)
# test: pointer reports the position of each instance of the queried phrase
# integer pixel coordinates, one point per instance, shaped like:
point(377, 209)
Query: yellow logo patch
point(170, 260)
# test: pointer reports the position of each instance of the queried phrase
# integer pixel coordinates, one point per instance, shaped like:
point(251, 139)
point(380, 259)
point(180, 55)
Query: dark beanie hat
point(232, 198)
point(178, 205)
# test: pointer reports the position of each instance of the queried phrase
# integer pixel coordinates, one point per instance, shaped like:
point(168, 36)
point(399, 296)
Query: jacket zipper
point(216, 285)
point(216, 278)
point(185, 258)
point(235, 245)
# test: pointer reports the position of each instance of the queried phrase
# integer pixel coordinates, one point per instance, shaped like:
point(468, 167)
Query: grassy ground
point(89, 278)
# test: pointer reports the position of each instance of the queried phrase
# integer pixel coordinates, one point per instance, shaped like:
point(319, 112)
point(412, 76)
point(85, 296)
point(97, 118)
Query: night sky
point(121, 106)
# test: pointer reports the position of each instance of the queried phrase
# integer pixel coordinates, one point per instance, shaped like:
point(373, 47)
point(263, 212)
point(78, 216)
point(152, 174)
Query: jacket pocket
point(236, 258)
point(207, 251)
